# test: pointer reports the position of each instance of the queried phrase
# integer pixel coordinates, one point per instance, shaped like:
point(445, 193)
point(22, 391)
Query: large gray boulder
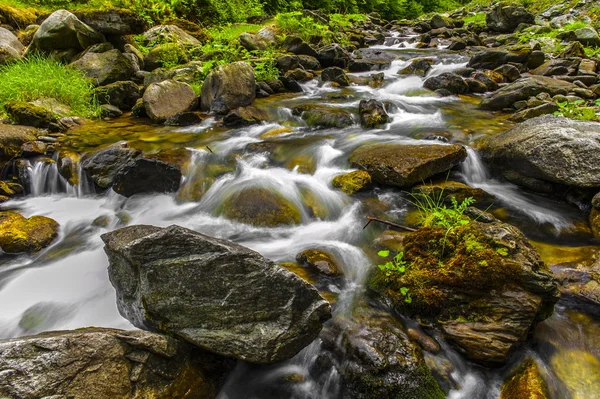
point(168, 98)
point(213, 293)
point(104, 68)
point(524, 88)
point(505, 19)
point(228, 87)
point(103, 165)
point(61, 31)
point(170, 34)
point(548, 148)
point(587, 36)
point(447, 81)
point(103, 363)
point(11, 48)
point(492, 59)
point(404, 165)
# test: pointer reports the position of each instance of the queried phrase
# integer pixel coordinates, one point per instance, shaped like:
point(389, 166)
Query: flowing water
point(66, 286)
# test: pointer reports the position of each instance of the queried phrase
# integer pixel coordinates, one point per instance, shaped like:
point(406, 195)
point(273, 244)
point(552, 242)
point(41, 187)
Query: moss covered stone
point(483, 283)
point(12, 138)
point(18, 18)
point(452, 189)
point(22, 113)
point(19, 234)
point(352, 182)
point(525, 383)
point(261, 207)
point(166, 55)
point(319, 261)
point(403, 164)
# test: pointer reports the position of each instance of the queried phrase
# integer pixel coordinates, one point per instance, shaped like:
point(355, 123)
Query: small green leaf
point(408, 299)
point(383, 253)
point(403, 290)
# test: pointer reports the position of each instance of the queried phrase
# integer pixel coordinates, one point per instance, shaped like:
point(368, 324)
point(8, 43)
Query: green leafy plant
point(393, 269)
point(578, 110)
point(433, 210)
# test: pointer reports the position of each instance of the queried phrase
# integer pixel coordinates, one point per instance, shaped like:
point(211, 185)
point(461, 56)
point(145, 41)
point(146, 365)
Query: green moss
point(441, 261)
point(525, 383)
point(261, 207)
point(352, 182)
point(19, 234)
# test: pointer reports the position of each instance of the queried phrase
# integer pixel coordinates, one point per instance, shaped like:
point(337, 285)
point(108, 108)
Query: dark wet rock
point(63, 30)
point(288, 62)
point(297, 46)
point(365, 65)
point(110, 111)
point(10, 47)
point(320, 262)
point(486, 289)
point(510, 72)
point(123, 94)
point(228, 87)
point(352, 182)
point(20, 234)
point(113, 22)
point(107, 364)
point(261, 207)
point(536, 59)
point(405, 165)
point(186, 119)
point(244, 116)
point(12, 139)
point(525, 382)
point(170, 34)
point(166, 55)
point(529, 113)
point(142, 176)
point(333, 55)
point(252, 42)
point(484, 78)
point(492, 59)
point(457, 44)
point(290, 84)
point(104, 68)
point(505, 19)
point(372, 114)
point(324, 117)
point(375, 359)
point(187, 284)
point(302, 75)
point(22, 113)
point(558, 66)
point(447, 81)
point(476, 86)
point(336, 75)
point(103, 165)
point(548, 148)
point(417, 66)
point(168, 98)
point(524, 88)
point(437, 21)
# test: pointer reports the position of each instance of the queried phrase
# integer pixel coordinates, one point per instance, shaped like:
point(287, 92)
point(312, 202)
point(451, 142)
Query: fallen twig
point(374, 219)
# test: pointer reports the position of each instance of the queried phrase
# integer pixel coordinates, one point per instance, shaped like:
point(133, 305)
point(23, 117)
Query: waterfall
point(475, 174)
point(44, 178)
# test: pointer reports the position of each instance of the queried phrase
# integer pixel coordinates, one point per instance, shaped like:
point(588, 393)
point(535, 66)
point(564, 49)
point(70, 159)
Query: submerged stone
point(261, 207)
point(525, 383)
point(213, 293)
point(319, 261)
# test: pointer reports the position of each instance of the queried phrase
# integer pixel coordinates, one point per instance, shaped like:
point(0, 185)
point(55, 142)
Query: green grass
point(37, 77)
point(229, 33)
point(478, 19)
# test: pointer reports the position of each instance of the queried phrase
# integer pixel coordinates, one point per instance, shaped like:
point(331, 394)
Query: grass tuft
point(37, 77)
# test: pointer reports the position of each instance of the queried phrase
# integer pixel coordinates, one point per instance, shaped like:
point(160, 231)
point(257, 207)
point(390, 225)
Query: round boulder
point(261, 207)
point(20, 234)
point(168, 98)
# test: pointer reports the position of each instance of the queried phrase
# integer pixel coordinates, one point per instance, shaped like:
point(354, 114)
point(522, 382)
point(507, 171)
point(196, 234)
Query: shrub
point(38, 77)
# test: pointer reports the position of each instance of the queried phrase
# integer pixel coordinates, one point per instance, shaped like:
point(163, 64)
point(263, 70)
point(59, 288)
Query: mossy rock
point(319, 261)
point(352, 182)
point(12, 138)
point(166, 55)
point(313, 204)
point(261, 207)
point(302, 163)
point(19, 234)
point(22, 113)
point(525, 383)
point(482, 283)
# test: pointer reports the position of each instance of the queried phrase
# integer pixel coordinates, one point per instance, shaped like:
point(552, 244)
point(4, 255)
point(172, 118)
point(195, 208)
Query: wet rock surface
point(188, 285)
